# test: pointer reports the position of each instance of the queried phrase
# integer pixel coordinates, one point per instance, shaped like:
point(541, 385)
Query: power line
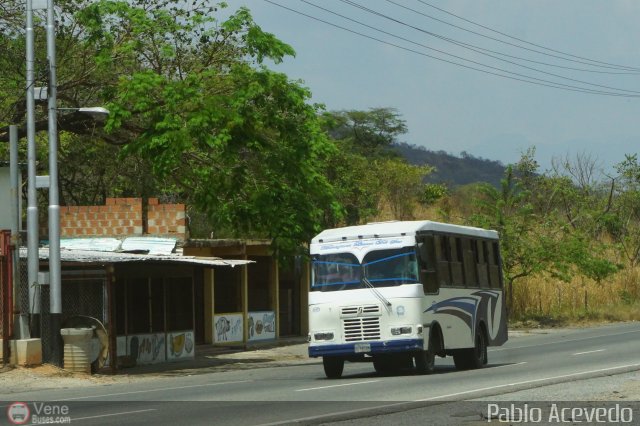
point(525, 78)
point(366, 9)
point(472, 46)
point(519, 39)
point(595, 64)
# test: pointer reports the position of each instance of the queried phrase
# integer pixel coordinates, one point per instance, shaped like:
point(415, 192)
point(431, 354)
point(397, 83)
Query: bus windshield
point(383, 268)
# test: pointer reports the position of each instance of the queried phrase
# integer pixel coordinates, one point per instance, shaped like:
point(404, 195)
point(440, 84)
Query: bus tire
point(333, 366)
point(425, 361)
point(383, 364)
point(476, 357)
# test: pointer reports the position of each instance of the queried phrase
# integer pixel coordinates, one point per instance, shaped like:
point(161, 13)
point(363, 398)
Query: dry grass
point(552, 302)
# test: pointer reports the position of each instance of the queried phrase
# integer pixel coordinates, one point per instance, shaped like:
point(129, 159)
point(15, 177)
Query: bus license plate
point(362, 347)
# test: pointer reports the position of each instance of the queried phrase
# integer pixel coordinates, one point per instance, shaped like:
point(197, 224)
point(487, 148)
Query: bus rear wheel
point(333, 366)
point(475, 357)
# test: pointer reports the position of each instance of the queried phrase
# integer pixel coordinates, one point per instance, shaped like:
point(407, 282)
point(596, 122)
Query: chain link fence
point(83, 294)
point(7, 272)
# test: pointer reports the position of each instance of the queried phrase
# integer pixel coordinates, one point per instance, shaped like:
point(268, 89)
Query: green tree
point(369, 133)
point(367, 173)
point(508, 211)
point(196, 112)
point(356, 187)
point(402, 186)
point(624, 224)
point(535, 233)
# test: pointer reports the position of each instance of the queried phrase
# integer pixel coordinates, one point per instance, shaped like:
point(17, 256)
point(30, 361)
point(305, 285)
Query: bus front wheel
point(333, 366)
point(425, 362)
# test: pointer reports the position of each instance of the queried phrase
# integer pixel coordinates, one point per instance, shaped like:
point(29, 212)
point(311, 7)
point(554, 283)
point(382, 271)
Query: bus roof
point(397, 229)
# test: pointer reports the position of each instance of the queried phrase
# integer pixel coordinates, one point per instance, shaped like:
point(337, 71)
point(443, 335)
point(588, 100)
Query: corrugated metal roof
point(150, 245)
point(93, 256)
point(94, 244)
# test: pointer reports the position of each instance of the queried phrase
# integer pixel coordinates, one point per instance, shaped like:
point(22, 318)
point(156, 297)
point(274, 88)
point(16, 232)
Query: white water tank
point(77, 349)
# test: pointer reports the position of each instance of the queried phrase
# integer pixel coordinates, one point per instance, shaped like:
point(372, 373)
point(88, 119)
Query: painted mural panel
point(262, 325)
point(227, 328)
point(147, 348)
point(180, 345)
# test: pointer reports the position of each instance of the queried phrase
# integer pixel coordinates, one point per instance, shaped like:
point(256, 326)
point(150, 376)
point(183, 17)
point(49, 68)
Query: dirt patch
point(47, 376)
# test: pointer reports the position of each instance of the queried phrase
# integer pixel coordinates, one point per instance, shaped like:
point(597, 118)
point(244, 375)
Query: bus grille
point(348, 311)
point(356, 329)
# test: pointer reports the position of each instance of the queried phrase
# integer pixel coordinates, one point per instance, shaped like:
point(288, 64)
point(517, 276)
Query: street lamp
point(55, 290)
point(55, 285)
point(97, 113)
point(55, 279)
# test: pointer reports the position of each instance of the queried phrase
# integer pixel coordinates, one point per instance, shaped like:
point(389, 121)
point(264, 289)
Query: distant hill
point(452, 170)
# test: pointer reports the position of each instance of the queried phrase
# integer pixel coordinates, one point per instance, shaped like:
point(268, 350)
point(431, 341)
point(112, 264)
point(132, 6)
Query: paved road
point(301, 393)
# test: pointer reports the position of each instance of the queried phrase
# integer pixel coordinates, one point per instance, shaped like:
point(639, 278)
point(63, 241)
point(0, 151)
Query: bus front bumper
point(366, 348)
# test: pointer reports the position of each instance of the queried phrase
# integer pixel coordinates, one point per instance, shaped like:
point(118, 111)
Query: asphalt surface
point(592, 364)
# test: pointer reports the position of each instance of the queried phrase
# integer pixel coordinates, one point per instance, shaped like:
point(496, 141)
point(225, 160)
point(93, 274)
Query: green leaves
point(195, 111)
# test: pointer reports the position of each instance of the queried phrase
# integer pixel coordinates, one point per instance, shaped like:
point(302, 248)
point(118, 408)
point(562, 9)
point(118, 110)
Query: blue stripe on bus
point(389, 346)
point(384, 259)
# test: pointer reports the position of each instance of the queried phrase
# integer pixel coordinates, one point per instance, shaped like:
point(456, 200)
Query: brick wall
point(166, 219)
point(121, 217)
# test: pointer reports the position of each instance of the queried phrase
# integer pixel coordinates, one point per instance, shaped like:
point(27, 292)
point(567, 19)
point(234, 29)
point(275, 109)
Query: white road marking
point(75, 419)
point(589, 352)
point(337, 386)
point(154, 390)
point(559, 341)
point(508, 365)
point(526, 382)
point(396, 404)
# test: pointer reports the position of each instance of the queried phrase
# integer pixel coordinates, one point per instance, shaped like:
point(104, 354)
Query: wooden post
point(209, 306)
point(111, 319)
point(274, 291)
point(244, 296)
point(150, 304)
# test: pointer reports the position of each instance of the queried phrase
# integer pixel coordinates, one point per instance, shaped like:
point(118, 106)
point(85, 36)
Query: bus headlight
point(323, 336)
point(396, 331)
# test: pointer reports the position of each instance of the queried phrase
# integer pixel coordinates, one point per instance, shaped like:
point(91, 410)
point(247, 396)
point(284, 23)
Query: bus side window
point(457, 272)
point(469, 260)
point(443, 256)
point(494, 265)
point(483, 269)
point(428, 264)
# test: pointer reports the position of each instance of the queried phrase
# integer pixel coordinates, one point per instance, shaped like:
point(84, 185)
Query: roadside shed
point(148, 303)
point(264, 301)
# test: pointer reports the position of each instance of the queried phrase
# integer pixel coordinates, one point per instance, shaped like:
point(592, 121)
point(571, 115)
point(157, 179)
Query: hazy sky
point(452, 108)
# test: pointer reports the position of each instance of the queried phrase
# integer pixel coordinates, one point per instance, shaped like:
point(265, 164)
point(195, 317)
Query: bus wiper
point(376, 293)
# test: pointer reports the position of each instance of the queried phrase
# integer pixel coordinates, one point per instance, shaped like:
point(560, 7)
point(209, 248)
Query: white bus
point(400, 293)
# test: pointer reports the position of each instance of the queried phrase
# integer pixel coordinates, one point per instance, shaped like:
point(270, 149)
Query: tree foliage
point(537, 234)
point(195, 110)
point(367, 173)
point(624, 223)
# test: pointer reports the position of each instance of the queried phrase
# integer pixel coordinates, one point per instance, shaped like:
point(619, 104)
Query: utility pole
point(55, 287)
point(33, 260)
